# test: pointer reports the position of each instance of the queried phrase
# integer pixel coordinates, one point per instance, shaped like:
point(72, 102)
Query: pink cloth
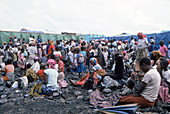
point(51, 63)
point(21, 62)
point(61, 81)
point(164, 95)
point(163, 50)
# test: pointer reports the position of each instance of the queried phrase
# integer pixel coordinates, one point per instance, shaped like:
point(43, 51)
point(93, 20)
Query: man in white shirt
point(32, 51)
point(147, 89)
point(51, 78)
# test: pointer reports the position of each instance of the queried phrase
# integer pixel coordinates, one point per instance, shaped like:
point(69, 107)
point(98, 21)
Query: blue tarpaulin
point(165, 36)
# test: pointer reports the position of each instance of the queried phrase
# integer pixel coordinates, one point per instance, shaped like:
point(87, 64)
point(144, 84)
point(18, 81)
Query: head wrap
point(93, 61)
point(126, 41)
point(51, 42)
point(124, 52)
point(58, 56)
point(136, 43)
point(106, 41)
point(36, 58)
point(51, 63)
point(141, 34)
point(119, 42)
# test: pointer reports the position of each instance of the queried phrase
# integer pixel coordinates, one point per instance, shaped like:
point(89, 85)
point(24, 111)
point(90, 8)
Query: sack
point(80, 59)
point(101, 72)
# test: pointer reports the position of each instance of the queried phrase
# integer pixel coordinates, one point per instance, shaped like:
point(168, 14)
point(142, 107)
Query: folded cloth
point(101, 72)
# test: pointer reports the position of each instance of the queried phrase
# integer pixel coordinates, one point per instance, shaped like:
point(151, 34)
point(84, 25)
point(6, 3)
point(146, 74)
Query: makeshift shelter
point(4, 36)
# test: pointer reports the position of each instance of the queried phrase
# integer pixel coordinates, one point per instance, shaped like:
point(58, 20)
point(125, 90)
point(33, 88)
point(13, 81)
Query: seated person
point(30, 72)
point(8, 77)
point(40, 73)
point(51, 79)
point(148, 88)
point(24, 81)
point(60, 63)
point(165, 72)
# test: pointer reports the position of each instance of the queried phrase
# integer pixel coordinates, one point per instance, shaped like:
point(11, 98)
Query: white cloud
point(107, 17)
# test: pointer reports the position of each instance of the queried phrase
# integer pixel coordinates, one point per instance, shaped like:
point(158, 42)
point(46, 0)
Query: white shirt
point(36, 66)
point(52, 78)
point(32, 50)
point(31, 40)
point(152, 79)
point(24, 80)
point(166, 75)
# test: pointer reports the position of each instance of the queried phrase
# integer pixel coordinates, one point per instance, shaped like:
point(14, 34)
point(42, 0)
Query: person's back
point(52, 78)
point(32, 50)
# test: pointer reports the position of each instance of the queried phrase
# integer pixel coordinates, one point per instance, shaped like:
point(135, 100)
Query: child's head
point(161, 43)
point(152, 43)
point(29, 65)
point(9, 61)
point(42, 66)
point(164, 64)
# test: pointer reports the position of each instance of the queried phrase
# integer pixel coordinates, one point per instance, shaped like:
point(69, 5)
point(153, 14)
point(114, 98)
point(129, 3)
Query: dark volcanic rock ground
point(74, 100)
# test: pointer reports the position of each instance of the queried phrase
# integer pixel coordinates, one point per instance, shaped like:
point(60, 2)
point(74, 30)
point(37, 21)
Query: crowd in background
point(49, 63)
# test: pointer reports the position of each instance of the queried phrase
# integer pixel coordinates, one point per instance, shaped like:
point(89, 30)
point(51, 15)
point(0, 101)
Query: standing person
point(39, 39)
point(51, 48)
point(83, 52)
point(47, 47)
point(15, 40)
point(105, 54)
point(36, 65)
point(132, 42)
point(30, 39)
point(32, 51)
point(169, 50)
point(163, 49)
point(149, 86)
point(21, 60)
point(39, 50)
point(142, 50)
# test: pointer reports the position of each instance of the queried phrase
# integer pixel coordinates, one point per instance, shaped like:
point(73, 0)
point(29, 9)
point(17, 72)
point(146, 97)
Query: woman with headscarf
point(51, 48)
point(142, 49)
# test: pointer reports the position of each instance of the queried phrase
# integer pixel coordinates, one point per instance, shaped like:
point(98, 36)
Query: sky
point(105, 17)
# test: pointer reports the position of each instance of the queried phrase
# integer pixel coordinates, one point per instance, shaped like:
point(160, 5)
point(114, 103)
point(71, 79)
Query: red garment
point(141, 101)
point(61, 65)
point(41, 74)
point(84, 78)
point(50, 49)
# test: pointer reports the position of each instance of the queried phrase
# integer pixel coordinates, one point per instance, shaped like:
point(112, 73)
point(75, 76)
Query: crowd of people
point(137, 65)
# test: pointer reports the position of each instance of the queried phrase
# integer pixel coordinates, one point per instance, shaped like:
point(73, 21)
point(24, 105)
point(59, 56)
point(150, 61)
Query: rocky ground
point(74, 100)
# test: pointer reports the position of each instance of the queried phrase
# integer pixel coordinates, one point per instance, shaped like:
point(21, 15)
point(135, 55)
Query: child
point(163, 49)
